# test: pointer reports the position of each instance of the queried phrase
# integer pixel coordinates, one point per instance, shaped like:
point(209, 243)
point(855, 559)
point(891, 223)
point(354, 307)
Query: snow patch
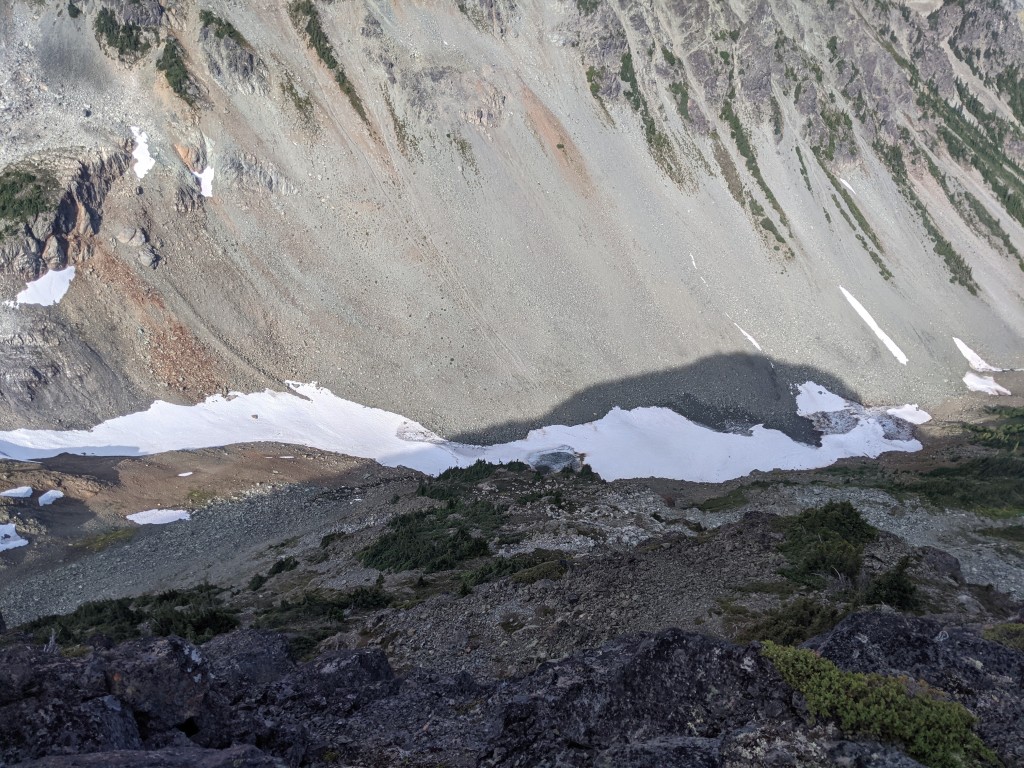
point(159, 516)
point(846, 184)
point(49, 497)
point(9, 538)
point(184, 474)
point(643, 442)
point(974, 359)
point(46, 290)
point(867, 318)
point(205, 181)
point(144, 161)
point(985, 384)
point(21, 492)
point(910, 413)
point(750, 338)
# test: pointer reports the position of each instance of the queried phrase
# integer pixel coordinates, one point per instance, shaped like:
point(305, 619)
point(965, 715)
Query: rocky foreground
point(671, 698)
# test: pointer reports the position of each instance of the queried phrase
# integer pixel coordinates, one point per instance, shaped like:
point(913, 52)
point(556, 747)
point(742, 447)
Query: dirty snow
point(144, 161)
point(867, 318)
point(159, 516)
point(984, 384)
point(46, 290)
point(643, 442)
point(750, 338)
point(21, 492)
point(974, 359)
point(205, 181)
point(910, 413)
point(49, 497)
point(846, 184)
point(9, 538)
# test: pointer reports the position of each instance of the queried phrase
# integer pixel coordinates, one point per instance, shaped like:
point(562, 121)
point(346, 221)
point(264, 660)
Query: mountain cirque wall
point(501, 204)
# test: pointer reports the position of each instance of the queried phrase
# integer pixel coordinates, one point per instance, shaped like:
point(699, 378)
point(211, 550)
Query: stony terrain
point(534, 211)
point(348, 613)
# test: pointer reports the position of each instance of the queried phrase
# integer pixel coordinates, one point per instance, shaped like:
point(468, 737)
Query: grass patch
point(825, 542)
point(657, 141)
point(737, 497)
point(991, 485)
point(1010, 635)
point(435, 539)
point(303, 103)
point(100, 541)
point(195, 614)
point(1006, 433)
point(172, 64)
point(306, 19)
point(129, 40)
point(746, 149)
point(933, 731)
point(1014, 533)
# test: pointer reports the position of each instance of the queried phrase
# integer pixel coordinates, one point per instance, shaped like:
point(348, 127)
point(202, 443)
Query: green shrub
point(172, 64)
point(894, 588)
point(221, 28)
point(526, 568)
point(793, 622)
point(825, 541)
point(323, 606)
point(74, 11)
point(283, 565)
point(129, 40)
point(195, 614)
point(435, 539)
point(306, 18)
point(933, 731)
point(26, 194)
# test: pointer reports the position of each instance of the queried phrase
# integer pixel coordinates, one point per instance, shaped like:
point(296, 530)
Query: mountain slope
point(498, 204)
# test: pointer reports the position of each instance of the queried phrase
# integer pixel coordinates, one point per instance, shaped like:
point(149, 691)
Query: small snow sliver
point(870, 321)
point(159, 516)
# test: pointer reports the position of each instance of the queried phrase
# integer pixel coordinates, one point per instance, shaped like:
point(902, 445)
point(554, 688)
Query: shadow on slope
point(732, 392)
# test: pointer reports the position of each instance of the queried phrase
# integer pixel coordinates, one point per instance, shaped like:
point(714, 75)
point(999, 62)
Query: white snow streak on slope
point(21, 492)
point(144, 162)
point(644, 442)
point(159, 516)
point(205, 181)
point(974, 359)
point(185, 474)
point(46, 290)
point(846, 184)
point(910, 413)
point(867, 318)
point(750, 338)
point(9, 538)
point(984, 384)
point(49, 497)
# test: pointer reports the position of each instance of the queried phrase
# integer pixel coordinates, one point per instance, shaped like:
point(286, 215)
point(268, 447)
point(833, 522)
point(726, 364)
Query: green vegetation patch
point(172, 64)
point(658, 142)
point(129, 40)
point(746, 149)
point(323, 605)
point(524, 569)
point(933, 731)
point(793, 622)
point(737, 497)
point(435, 539)
point(195, 614)
point(825, 542)
point(306, 18)
point(1007, 432)
point(221, 28)
point(74, 11)
point(1010, 635)
point(24, 195)
point(990, 485)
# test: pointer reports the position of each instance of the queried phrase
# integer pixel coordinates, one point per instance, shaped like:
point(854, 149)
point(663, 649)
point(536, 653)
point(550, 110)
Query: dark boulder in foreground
point(672, 698)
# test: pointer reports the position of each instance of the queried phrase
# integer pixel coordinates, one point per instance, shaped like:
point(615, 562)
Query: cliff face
point(500, 204)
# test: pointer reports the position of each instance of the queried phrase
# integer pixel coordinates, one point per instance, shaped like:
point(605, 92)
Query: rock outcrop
point(671, 698)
